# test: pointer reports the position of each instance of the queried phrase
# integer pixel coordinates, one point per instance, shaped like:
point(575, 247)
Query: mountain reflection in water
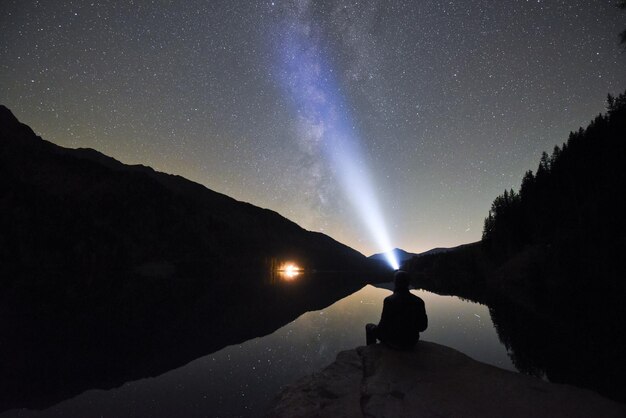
point(241, 379)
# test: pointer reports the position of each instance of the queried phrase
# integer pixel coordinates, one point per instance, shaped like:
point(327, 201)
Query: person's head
point(401, 281)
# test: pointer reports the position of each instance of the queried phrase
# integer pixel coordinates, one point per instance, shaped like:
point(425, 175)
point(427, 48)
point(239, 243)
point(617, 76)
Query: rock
point(431, 381)
point(334, 392)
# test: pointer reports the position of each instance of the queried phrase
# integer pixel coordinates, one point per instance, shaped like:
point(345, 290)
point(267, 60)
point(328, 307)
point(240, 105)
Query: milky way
point(324, 124)
point(449, 101)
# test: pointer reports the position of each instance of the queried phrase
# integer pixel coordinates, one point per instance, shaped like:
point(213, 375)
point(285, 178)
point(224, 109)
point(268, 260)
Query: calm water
point(241, 380)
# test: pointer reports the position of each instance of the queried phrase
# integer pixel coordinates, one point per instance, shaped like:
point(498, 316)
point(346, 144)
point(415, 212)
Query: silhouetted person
point(403, 317)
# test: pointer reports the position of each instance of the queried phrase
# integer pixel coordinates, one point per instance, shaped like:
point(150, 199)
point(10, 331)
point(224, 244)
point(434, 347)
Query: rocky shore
point(430, 381)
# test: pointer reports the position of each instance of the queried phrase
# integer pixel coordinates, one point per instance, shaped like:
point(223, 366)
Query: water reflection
point(241, 379)
point(582, 346)
point(144, 327)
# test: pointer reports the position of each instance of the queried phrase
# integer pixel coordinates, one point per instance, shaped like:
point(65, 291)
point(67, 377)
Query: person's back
point(402, 319)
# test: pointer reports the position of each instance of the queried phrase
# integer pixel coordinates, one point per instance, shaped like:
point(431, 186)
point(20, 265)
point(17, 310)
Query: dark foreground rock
point(431, 381)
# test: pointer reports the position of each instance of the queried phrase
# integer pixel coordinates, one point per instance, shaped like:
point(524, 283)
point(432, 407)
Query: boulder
point(430, 381)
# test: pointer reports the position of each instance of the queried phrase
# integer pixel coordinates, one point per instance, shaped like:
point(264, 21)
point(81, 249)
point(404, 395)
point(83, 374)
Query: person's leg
point(370, 334)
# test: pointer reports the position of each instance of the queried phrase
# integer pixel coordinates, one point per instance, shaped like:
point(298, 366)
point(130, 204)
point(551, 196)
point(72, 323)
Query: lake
point(241, 379)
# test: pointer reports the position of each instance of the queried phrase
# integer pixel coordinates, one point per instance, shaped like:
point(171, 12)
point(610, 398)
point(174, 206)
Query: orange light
point(289, 271)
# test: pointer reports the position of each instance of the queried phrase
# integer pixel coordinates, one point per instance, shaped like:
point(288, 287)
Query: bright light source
point(289, 271)
point(390, 256)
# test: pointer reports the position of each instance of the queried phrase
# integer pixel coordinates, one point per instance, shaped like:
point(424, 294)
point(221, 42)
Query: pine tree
point(544, 165)
point(528, 184)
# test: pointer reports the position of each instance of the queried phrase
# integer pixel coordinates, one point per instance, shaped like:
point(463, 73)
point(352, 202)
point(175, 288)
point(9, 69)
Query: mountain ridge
point(82, 176)
point(403, 256)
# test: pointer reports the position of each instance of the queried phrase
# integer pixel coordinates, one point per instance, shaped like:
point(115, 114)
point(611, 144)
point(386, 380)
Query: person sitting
point(402, 319)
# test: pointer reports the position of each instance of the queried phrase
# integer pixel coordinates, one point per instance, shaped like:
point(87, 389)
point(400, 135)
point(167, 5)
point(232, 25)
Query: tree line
point(572, 208)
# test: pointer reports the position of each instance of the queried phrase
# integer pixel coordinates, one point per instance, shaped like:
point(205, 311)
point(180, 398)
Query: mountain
point(437, 250)
point(400, 255)
point(80, 211)
point(404, 256)
point(112, 272)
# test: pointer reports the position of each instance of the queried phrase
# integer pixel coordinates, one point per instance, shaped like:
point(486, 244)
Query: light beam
point(325, 122)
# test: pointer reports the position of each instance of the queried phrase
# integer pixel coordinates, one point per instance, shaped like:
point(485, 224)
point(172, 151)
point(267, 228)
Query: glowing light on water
point(325, 123)
point(289, 271)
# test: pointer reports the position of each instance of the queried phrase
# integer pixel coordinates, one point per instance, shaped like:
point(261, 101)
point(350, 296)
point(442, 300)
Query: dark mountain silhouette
point(111, 272)
point(66, 209)
point(403, 256)
point(400, 254)
point(550, 263)
point(437, 250)
point(457, 271)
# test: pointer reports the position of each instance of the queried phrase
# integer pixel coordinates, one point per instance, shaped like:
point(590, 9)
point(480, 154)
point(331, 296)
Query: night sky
point(441, 105)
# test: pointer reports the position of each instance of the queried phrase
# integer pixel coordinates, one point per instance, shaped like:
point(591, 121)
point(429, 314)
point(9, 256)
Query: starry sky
point(444, 104)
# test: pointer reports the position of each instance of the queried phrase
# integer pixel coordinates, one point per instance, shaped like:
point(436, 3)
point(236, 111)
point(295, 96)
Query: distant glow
point(325, 124)
point(289, 271)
